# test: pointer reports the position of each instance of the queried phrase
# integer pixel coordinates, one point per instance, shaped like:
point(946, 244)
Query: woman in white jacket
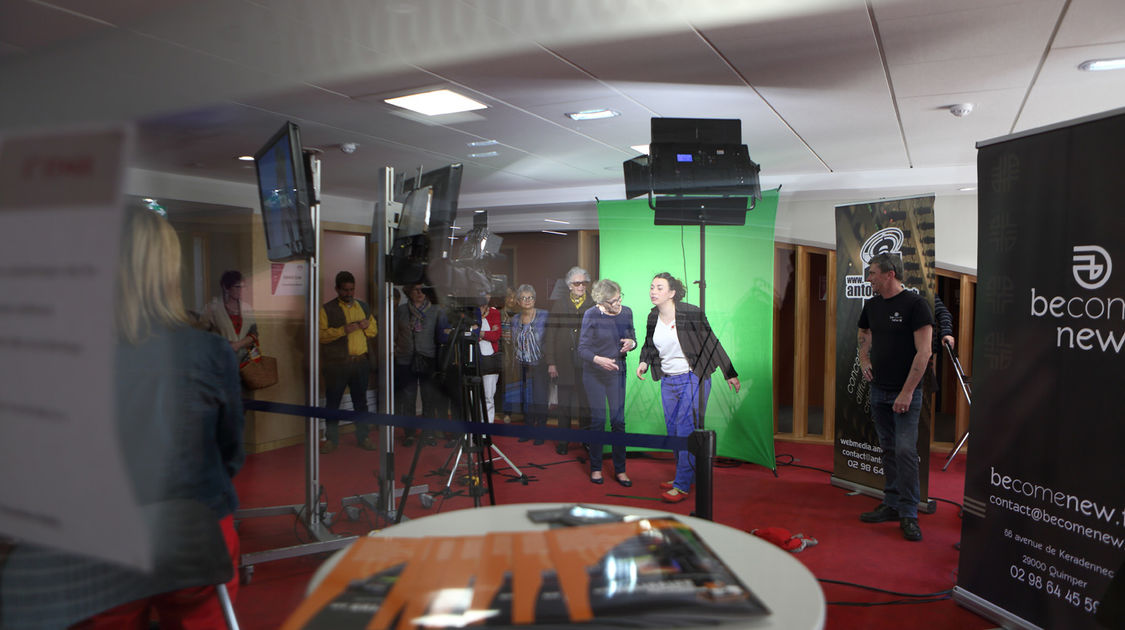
point(232, 318)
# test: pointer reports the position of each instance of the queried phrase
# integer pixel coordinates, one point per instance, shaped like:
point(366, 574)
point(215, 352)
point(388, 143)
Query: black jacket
point(560, 345)
point(700, 345)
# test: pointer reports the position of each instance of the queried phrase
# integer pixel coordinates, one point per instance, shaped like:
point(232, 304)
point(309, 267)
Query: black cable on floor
point(881, 590)
point(793, 459)
point(892, 602)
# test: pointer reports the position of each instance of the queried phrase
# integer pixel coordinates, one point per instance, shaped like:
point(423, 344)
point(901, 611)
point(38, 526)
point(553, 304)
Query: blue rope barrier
point(644, 440)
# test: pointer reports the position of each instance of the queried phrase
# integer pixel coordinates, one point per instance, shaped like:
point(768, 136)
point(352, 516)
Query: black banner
point(1044, 523)
point(903, 227)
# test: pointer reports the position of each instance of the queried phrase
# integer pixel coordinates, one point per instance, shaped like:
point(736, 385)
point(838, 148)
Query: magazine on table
point(649, 572)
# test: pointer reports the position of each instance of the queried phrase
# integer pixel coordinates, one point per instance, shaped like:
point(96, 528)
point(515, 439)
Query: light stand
point(385, 221)
point(311, 514)
point(968, 398)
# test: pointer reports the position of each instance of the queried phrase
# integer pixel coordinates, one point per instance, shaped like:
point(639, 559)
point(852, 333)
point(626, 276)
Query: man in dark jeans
point(345, 326)
point(895, 329)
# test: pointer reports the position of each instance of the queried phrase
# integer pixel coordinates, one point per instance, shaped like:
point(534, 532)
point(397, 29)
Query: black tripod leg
point(407, 481)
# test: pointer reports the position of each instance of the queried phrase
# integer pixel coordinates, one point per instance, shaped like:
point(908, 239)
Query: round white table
point(784, 585)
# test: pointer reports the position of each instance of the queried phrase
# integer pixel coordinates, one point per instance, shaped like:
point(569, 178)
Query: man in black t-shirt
point(895, 329)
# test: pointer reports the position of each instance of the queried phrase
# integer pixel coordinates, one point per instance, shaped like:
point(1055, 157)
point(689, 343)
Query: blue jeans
point(898, 436)
point(684, 401)
point(407, 384)
point(534, 391)
point(352, 376)
point(604, 387)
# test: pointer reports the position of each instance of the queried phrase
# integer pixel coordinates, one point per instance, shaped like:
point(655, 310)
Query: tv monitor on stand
point(445, 184)
point(286, 195)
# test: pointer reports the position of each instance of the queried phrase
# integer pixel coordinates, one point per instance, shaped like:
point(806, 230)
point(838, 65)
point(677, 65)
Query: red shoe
point(675, 495)
point(667, 485)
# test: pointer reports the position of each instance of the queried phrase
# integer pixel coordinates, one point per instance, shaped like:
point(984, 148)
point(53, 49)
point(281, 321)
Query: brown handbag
point(259, 374)
point(258, 371)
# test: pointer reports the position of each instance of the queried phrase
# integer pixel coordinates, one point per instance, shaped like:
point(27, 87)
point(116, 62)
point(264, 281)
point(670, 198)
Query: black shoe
point(881, 514)
point(561, 448)
point(910, 529)
point(628, 483)
point(537, 443)
point(368, 444)
point(599, 480)
point(524, 439)
point(408, 440)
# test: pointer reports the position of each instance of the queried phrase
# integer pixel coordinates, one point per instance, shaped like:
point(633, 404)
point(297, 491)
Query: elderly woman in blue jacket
point(683, 351)
point(605, 337)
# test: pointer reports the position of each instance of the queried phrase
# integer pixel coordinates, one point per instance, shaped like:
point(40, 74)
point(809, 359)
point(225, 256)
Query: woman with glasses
point(683, 351)
point(607, 335)
point(561, 353)
point(232, 318)
point(528, 328)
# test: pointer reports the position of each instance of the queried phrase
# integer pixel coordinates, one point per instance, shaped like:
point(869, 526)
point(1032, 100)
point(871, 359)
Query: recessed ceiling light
point(1096, 65)
point(640, 148)
point(967, 189)
point(246, 158)
point(557, 221)
point(484, 143)
point(486, 154)
point(592, 114)
point(436, 103)
point(553, 232)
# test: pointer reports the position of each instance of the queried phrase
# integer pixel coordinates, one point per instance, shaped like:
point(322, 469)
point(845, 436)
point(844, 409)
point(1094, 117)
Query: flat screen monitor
point(416, 209)
point(285, 192)
point(446, 185)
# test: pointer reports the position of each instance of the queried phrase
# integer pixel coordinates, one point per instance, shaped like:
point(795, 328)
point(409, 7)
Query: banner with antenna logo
point(1043, 530)
point(903, 228)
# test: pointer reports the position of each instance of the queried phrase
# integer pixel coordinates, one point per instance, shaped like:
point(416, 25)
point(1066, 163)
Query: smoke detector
point(961, 110)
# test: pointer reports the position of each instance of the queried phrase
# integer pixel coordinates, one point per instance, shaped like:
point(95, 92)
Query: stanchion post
point(701, 443)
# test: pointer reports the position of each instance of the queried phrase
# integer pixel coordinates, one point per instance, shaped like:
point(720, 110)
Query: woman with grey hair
point(528, 328)
point(607, 335)
point(564, 322)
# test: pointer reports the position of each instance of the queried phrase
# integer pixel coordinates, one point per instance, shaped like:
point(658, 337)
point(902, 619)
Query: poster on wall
point(738, 260)
point(902, 227)
point(1043, 532)
point(289, 278)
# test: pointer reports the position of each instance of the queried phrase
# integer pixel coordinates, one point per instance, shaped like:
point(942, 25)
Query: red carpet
point(746, 497)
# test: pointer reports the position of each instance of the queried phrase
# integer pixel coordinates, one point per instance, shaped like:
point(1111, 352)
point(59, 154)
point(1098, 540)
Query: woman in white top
point(232, 318)
point(683, 351)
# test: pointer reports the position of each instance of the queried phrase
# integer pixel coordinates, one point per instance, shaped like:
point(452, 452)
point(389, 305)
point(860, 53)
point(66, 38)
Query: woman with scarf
point(528, 328)
point(232, 318)
point(415, 351)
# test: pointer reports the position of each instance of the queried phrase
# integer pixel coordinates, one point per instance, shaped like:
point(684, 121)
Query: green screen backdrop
point(739, 305)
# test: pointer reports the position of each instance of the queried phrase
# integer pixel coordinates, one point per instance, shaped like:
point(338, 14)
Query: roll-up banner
point(903, 227)
point(1043, 532)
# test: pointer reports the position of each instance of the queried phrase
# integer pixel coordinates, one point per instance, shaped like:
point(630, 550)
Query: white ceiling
point(834, 95)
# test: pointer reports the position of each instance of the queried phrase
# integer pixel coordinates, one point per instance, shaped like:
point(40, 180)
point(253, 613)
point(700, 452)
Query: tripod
point(475, 449)
point(968, 398)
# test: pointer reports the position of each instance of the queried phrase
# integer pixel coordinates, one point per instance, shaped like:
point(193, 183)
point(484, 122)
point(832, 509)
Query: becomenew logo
point(1092, 266)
